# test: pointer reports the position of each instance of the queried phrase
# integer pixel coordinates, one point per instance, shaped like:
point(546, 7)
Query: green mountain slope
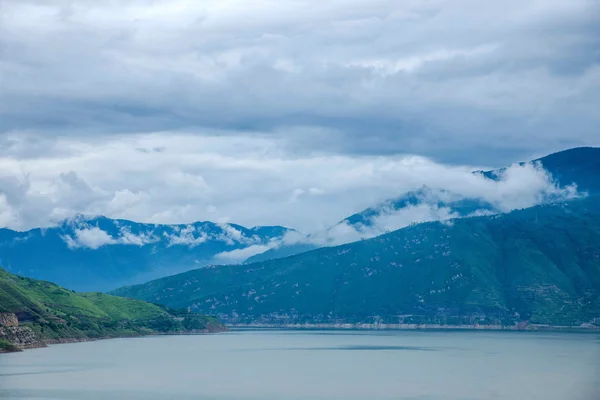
point(579, 166)
point(34, 312)
point(540, 265)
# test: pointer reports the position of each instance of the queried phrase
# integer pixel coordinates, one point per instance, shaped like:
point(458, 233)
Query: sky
point(295, 113)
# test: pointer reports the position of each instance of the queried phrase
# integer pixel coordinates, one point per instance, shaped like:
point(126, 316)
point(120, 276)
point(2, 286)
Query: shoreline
point(47, 342)
point(419, 327)
point(337, 326)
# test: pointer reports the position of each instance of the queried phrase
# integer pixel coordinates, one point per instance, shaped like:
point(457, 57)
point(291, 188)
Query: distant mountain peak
point(566, 174)
point(106, 253)
point(574, 154)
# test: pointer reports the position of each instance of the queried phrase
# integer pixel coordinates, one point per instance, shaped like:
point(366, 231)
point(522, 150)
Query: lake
point(296, 364)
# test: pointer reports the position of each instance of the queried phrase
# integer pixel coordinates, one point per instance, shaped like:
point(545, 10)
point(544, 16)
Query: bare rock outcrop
point(19, 336)
point(8, 319)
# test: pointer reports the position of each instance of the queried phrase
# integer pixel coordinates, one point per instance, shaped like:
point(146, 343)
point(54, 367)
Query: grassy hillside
point(540, 265)
point(56, 314)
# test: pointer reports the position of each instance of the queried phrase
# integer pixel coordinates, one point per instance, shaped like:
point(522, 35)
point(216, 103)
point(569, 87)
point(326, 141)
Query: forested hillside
point(539, 265)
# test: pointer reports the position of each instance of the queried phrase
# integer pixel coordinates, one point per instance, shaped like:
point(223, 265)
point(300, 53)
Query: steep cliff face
point(8, 319)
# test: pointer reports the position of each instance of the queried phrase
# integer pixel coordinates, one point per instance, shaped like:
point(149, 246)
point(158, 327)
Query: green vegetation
point(7, 347)
point(539, 265)
point(57, 314)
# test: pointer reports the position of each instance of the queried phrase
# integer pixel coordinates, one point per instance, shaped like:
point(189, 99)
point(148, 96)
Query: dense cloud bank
point(237, 179)
point(295, 113)
point(485, 82)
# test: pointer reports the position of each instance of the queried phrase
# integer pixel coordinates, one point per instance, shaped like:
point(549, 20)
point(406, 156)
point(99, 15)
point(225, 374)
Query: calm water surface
point(278, 365)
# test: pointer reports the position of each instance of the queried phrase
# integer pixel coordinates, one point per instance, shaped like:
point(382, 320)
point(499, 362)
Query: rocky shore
point(15, 337)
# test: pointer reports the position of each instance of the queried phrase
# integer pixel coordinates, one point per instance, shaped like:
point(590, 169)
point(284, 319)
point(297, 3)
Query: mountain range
point(538, 266)
point(99, 254)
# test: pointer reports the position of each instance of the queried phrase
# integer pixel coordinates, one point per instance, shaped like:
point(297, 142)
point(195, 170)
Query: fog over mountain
point(331, 121)
point(99, 253)
point(353, 187)
point(224, 179)
point(560, 176)
point(179, 111)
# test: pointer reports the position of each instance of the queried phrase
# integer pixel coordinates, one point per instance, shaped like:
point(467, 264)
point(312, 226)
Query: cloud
point(239, 255)
point(249, 179)
point(7, 215)
point(92, 238)
point(192, 236)
point(86, 236)
point(297, 193)
point(518, 186)
point(387, 221)
point(175, 111)
point(187, 236)
point(483, 82)
point(231, 235)
point(141, 239)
